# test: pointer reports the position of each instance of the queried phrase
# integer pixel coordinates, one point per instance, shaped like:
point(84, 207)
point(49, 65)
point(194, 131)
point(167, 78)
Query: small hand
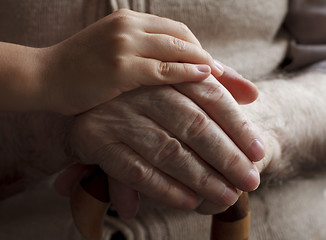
point(121, 52)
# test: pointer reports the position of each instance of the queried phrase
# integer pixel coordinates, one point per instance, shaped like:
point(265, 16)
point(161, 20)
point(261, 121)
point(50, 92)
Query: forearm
point(292, 115)
point(20, 78)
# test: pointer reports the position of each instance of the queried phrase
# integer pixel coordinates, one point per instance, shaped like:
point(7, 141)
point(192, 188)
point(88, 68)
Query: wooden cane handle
point(90, 200)
point(234, 223)
point(89, 203)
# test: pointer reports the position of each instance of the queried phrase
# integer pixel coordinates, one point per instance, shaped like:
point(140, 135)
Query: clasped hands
point(159, 116)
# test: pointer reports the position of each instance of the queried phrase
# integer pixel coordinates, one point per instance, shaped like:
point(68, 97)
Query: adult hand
point(121, 52)
point(160, 143)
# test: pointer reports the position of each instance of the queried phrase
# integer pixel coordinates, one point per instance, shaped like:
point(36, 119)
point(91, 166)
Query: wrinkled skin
point(187, 146)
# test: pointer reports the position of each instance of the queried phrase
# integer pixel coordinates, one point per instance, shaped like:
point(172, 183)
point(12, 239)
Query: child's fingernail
point(219, 68)
point(257, 150)
point(203, 69)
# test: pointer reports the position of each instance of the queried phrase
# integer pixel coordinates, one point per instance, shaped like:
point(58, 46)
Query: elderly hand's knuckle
point(198, 124)
point(241, 127)
point(170, 151)
point(165, 192)
point(138, 174)
point(104, 153)
point(204, 180)
point(247, 126)
point(232, 161)
point(244, 126)
point(213, 95)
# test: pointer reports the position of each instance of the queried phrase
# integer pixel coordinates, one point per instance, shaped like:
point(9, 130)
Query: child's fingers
point(154, 72)
point(155, 24)
point(170, 49)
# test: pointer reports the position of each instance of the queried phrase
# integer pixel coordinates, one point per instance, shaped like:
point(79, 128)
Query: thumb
point(69, 177)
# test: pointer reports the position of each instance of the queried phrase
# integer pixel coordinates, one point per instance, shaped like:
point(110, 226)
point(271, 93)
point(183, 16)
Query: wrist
point(40, 90)
point(54, 72)
point(62, 78)
point(21, 83)
point(47, 72)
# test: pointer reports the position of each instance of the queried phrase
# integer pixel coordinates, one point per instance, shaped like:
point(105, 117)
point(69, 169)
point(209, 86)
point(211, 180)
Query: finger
point(218, 103)
point(209, 208)
point(147, 201)
point(160, 25)
point(130, 169)
point(170, 156)
point(155, 72)
point(124, 199)
point(171, 49)
point(68, 178)
point(192, 126)
point(242, 90)
point(155, 24)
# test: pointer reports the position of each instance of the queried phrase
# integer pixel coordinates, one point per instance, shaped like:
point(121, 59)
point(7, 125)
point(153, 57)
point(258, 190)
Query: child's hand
point(122, 51)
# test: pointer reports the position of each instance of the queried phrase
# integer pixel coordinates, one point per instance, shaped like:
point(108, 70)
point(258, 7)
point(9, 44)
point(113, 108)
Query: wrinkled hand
point(186, 147)
point(121, 52)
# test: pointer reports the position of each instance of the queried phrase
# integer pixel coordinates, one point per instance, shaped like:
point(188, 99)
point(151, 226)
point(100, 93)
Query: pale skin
point(167, 156)
point(275, 95)
point(96, 65)
point(270, 114)
point(128, 143)
point(289, 113)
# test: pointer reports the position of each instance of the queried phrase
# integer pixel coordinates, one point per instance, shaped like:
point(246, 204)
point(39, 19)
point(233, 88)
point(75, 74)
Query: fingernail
point(230, 196)
point(203, 68)
point(253, 179)
point(219, 68)
point(257, 150)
